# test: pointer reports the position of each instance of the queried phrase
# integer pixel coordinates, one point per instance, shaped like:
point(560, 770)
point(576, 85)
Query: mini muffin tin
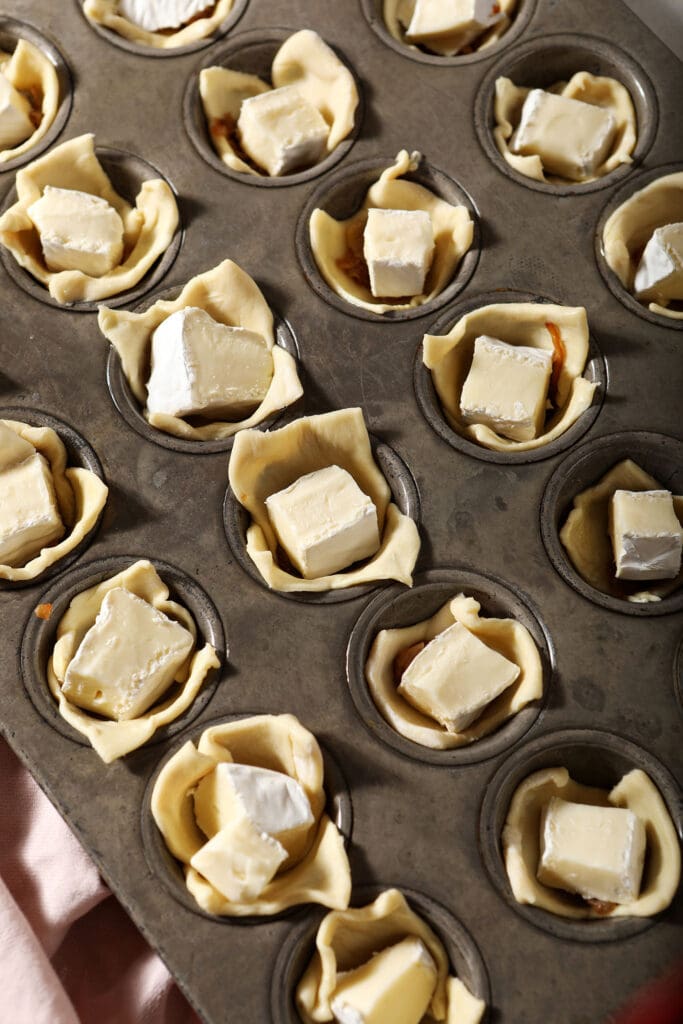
point(425, 825)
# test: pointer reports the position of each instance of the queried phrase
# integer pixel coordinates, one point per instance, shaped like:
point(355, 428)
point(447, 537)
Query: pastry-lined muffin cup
point(343, 194)
point(592, 758)
point(11, 32)
point(428, 400)
point(40, 635)
point(546, 60)
point(657, 455)
point(252, 53)
point(397, 607)
point(168, 870)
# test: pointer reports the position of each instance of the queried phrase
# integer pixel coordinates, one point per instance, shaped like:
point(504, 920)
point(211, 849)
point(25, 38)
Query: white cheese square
point(281, 131)
point(15, 116)
point(455, 677)
point(78, 231)
point(394, 987)
point(239, 861)
point(324, 522)
point(127, 659)
point(660, 271)
point(646, 535)
point(200, 367)
point(13, 447)
point(571, 137)
point(596, 852)
point(506, 388)
point(454, 24)
point(274, 802)
point(29, 515)
point(154, 15)
point(398, 246)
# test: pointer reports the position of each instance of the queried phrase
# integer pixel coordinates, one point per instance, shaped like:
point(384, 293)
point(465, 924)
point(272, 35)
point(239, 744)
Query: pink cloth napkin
point(70, 954)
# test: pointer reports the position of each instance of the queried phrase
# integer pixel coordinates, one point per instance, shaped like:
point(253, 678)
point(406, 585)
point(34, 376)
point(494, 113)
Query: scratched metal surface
point(415, 824)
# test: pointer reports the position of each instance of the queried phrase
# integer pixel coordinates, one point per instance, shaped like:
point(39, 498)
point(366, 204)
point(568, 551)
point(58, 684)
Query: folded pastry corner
point(162, 24)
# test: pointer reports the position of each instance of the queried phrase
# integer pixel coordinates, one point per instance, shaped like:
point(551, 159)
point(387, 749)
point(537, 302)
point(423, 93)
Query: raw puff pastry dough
point(509, 638)
point(348, 938)
point(113, 739)
point(231, 297)
point(80, 494)
point(449, 358)
point(263, 463)
point(147, 229)
point(33, 73)
point(317, 870)
point(336, 242)
point(599, 91)
point(397, 14)
point(637, 792)
point(105, 12)
point(586, 538)
point(630, 227)
point(304, 61)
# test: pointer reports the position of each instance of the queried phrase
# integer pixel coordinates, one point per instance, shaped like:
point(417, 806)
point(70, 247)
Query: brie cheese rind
point(338, 245)
point(449, 358)
point(635, 791)
point(398, 14)
point(262, 464)
point(598, 91)
point(80, 496)
point(32, 73)
point(305, 62)
point(586, 537)
point(106, 13)
point(631, 226)
point(231, 297)
point(506, 636)
point(114, 739)
point(346, 939)
point(148, 228)
point(317, 869)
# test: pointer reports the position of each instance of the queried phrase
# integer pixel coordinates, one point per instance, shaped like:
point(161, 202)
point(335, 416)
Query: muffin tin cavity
point(40, 635)
point(543, 61)
point(252, 53)
point(521, 16)
point(397, 607)
point(127, 173)
point(403, 492)
point(168, 870)
point(656, 454)
point(11, 31)
point(593, 758)
point(432, 410)
point(343, 194)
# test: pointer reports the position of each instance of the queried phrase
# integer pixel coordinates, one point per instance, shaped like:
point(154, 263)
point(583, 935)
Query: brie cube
point(454, 24)
point(29, 515)
point(203, 368)
point(128, 658)
point(395, 986)
point(324, 522)
point(596, 852)
point(78, 231)
point(274, 802)
point(13, 448)
point(153, 15)
point(281, 131)
point(15, 111)
point(506, 388)
point(660, 271)
point(646, 535)
point(239, 861)
point(571, 137)
point(455, 677)
point(398, 246)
